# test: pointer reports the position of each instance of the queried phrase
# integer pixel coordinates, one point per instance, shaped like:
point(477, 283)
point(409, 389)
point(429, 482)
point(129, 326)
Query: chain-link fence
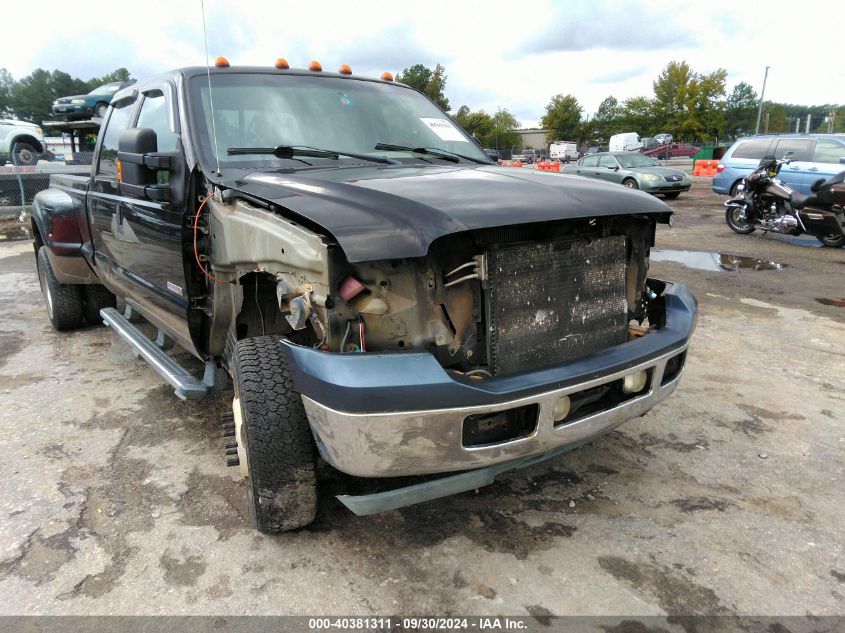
point(25, 172)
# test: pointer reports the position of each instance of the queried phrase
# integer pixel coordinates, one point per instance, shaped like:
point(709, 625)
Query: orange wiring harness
point(196, 251)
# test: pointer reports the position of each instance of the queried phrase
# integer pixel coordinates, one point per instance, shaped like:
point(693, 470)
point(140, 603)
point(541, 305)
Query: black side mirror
point(143, 169)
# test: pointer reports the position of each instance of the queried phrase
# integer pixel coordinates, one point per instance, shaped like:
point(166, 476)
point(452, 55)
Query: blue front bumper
point(385, 415)
point(383, 382)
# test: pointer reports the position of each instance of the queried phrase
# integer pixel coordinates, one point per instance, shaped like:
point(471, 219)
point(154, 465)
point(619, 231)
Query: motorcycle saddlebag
point(820, 222)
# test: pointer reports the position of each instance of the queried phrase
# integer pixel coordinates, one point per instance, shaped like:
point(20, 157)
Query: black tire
point(280, 450)
point(64, 301)
point(831, 241)
point(95, 297)
point(672, 195)
point(630, 183)
point(742, 227)
point(24, 154)
point(100, 110)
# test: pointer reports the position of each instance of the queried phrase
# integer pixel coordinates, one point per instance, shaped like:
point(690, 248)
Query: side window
point(154, 114)
point(118, 121)
point(828, 152)
point(607, 161)
point(590, 161)
point(752, 149)
point(800, 148)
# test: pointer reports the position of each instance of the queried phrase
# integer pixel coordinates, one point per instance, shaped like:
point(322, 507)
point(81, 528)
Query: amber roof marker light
point(282, 63)
point(386, 76)
point(315, 67)
point(345, 70)
point(221, 62)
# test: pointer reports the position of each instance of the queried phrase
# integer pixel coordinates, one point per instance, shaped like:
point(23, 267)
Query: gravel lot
point(725, 499)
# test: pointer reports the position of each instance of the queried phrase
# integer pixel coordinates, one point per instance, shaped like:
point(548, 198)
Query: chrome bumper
point(426, 442)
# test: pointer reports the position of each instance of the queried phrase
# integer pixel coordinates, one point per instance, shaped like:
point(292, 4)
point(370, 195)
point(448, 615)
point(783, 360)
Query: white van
point(563, 152)
point(625, 142)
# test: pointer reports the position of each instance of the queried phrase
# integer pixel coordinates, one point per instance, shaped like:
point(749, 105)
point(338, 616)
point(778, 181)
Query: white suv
point(27, 139)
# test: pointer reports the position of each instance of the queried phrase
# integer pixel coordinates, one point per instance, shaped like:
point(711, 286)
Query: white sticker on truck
point(444, 129)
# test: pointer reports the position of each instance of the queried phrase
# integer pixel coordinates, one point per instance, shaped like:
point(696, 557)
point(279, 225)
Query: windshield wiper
point(292, 151)
point(445, 154)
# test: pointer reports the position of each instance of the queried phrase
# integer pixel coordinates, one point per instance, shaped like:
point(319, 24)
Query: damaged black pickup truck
point(382, 295)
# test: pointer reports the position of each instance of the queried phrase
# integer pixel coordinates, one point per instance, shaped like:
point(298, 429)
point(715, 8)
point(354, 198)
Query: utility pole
point(760, 107)
point(766, 128)
point(809, 118)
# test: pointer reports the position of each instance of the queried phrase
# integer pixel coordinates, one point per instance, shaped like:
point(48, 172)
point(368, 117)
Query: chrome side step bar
point(186, 385)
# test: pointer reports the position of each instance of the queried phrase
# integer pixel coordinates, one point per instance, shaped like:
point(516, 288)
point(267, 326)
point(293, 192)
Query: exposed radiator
point(552, 302)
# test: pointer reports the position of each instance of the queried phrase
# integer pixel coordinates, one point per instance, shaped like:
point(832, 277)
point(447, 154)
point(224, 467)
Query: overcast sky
point(509, 54)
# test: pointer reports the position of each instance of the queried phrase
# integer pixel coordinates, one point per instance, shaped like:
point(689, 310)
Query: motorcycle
point(765, 202)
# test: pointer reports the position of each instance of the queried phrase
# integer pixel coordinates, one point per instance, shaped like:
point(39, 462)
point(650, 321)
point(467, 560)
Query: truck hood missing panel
point(398, 211)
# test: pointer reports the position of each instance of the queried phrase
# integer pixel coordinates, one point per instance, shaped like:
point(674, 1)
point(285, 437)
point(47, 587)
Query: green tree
point(476, 124)
point(119, 74)
point(740, 110)
point(777, 119)
point(504, 133)
point(7, 85)
point(689, 104)
point(673, 98)
point(709, 104)
point(606, 122)
point(498, 130)
point(638, 115)
point(432, 83)
point(562, 119)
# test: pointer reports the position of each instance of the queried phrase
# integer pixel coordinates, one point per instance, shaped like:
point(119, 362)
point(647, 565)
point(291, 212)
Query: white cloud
point(496, 55)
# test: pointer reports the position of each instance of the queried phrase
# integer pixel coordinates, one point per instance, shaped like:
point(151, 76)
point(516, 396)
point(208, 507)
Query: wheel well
point(260, 314)
point(37, 240)
point(27, 139)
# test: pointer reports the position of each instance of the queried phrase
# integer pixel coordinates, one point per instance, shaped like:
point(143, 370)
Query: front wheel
point(738, 220)
point(100, 110)
point(630, 183)
point(832, 241)
point(274, 437)
point(24, 154)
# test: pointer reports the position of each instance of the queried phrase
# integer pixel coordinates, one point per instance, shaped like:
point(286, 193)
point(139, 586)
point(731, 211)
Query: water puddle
point(715, 262)
point(837, 303)
point(800, 240)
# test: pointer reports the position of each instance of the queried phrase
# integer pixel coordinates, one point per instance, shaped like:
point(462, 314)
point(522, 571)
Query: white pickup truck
point(26, 140)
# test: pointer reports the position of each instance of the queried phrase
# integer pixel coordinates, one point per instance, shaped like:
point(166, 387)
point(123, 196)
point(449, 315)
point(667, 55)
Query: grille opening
point(553, 302)
point(673, 368)
point(600, 399)
point(503, 426)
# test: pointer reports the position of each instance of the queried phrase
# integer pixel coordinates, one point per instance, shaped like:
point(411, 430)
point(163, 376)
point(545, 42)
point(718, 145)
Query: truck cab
point(380, 294)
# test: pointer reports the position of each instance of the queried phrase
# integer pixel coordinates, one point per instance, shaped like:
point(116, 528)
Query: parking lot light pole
point(760, 107)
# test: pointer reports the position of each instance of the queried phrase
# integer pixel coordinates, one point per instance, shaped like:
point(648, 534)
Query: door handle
point(813, 169)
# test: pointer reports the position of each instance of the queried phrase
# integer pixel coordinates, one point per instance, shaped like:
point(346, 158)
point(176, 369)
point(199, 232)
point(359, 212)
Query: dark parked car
point(493, 154)
point(94, 104)
point(593, 149)
point(672, 150)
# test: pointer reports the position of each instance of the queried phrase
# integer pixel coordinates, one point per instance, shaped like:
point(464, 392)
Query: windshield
point(629, 161)
point(254, 110)
point(108, 89)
